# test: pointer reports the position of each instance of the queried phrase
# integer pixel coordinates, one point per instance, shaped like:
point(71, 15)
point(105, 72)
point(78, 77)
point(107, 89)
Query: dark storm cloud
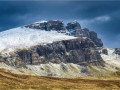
point(20, 13)
point(93, 9)
point(100, 16)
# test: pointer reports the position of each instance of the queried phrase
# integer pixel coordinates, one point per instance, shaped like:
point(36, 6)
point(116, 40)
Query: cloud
point(99, 19)
point(102, 18)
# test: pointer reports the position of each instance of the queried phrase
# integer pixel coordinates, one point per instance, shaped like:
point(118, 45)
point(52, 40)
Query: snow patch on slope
point(44, 21)
point(112, 58)
point(12, 69)
point(50, 69)
point(58, 70)
point(21, 37)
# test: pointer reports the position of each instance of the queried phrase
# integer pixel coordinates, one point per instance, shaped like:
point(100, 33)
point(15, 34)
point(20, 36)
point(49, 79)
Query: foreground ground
point(10, 81)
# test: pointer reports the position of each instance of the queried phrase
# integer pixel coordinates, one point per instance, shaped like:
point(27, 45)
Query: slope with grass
point(10, 81)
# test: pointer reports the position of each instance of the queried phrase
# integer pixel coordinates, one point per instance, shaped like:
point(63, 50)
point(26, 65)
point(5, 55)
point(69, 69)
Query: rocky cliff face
point(72, 52)
point(79, 51)
point(72, 28)
point(82, 50)
point(49, 25)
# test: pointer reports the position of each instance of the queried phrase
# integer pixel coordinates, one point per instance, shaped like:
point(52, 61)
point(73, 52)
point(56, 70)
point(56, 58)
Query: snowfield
point(21, 37)
point(112, 58)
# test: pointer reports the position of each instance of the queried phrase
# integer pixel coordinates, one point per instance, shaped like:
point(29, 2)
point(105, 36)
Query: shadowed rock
point(79, 51)
point(105, 51)
point(117, 51)
point(73, 25)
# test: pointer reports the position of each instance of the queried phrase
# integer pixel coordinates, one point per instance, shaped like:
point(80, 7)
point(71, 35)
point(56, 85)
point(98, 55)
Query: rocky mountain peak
point(73, 25)
point(53, 41)
point(55, 25)
point(48, 25)
point(72, 28)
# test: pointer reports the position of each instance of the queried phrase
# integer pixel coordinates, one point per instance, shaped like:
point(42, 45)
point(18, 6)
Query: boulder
point(105, 51)
point(73, 25)
point(117, 51)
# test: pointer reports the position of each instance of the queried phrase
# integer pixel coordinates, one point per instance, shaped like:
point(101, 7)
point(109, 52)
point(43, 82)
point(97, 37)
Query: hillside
point(10, 81)
point(51, 48)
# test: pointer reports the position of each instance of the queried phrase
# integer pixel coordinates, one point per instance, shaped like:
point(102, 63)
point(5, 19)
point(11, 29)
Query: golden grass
point(10, 81)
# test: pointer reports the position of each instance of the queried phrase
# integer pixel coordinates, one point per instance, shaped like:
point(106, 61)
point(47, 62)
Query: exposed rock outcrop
point(105, 51)
point(50, 25)
point(117, 51)
point(72, 28)
point(42, 26)
point(89, 34)
point(79, 51)
point(73, 25)
point(82, 50)
point(55, 25)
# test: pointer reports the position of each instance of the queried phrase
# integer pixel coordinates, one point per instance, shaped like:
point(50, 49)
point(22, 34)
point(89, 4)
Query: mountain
point(72, 28)
point(51, 48)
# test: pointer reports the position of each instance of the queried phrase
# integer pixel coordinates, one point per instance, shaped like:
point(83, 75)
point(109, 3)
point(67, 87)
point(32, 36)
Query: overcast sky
point(100, 16)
